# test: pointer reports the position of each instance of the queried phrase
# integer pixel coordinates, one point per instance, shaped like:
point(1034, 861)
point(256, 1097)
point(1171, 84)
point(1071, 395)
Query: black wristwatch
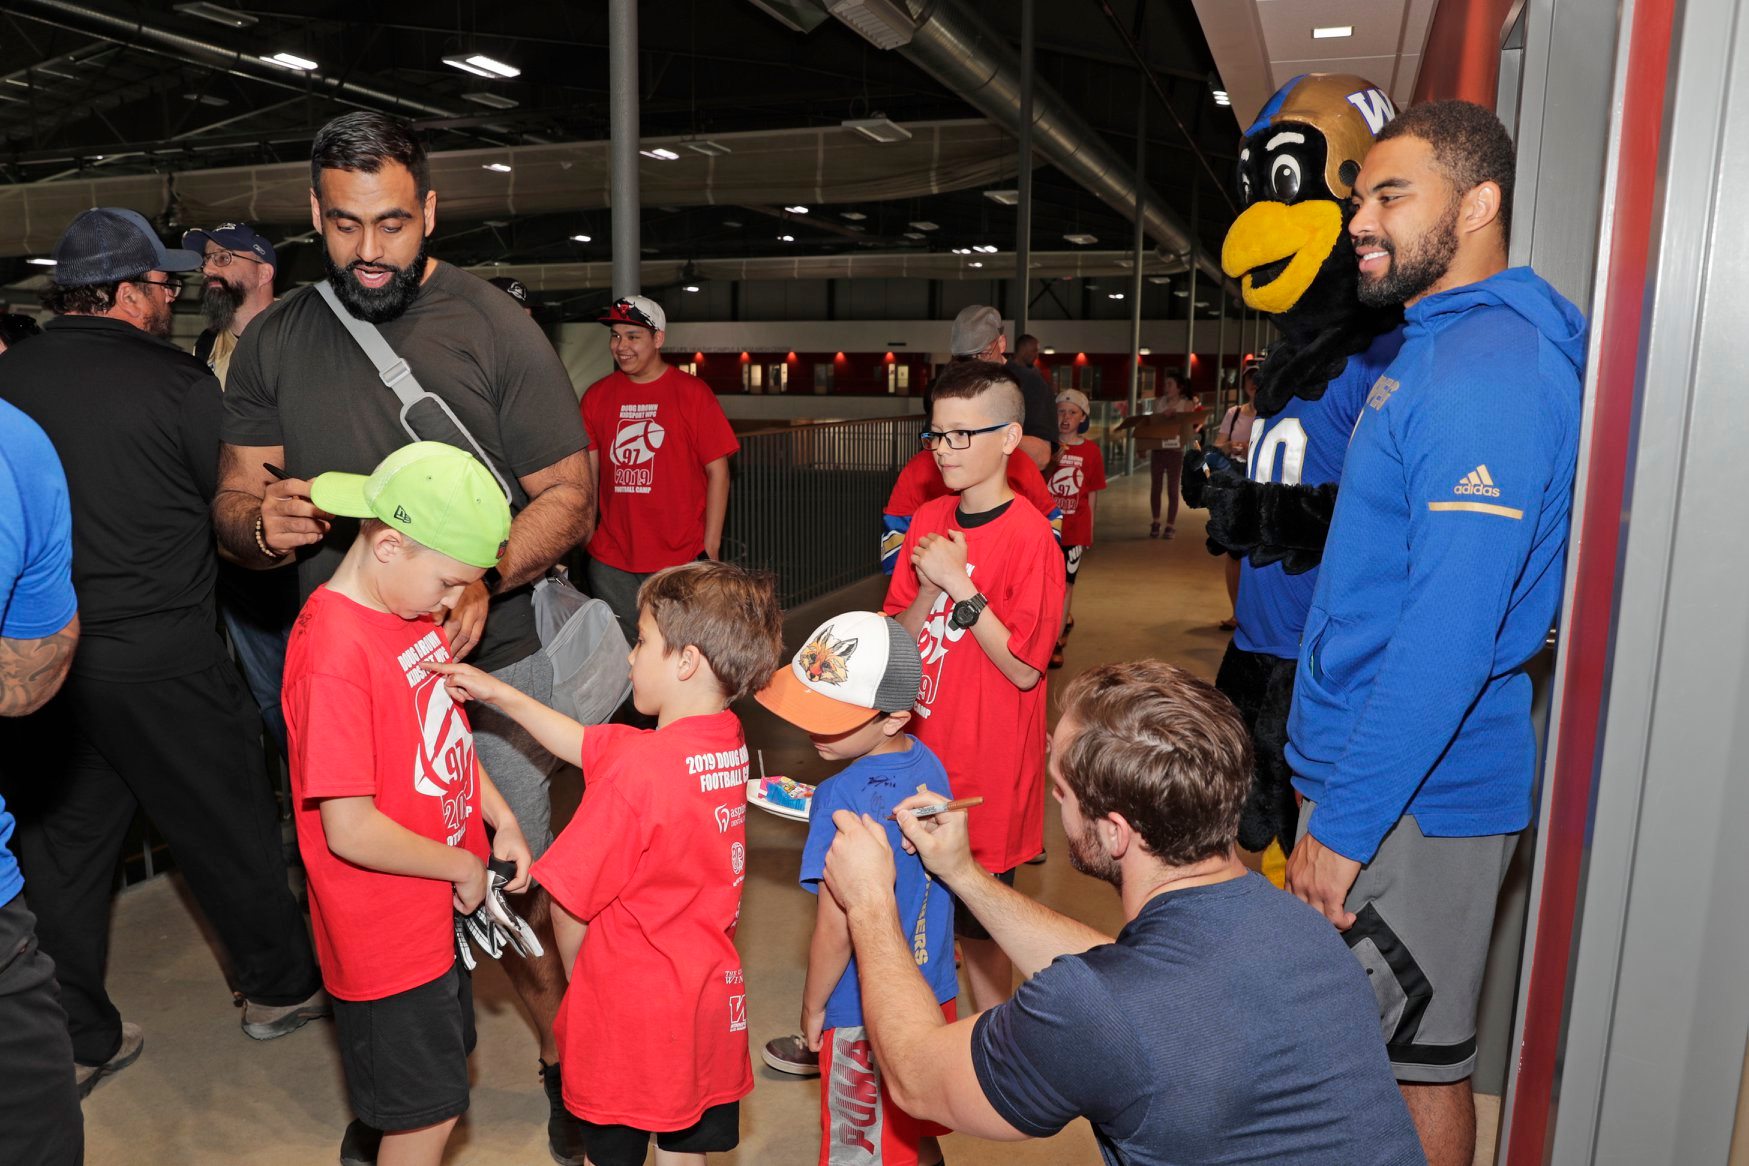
point(967, 611)
point(491, 579)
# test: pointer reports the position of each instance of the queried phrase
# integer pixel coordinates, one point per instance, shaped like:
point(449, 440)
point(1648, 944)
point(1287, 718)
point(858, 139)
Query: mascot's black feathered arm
point(1267, 522)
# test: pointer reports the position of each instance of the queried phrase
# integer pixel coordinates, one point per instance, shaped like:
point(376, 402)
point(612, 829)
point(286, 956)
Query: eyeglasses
point(172, 289)
point(957, 438)
point(222, 259)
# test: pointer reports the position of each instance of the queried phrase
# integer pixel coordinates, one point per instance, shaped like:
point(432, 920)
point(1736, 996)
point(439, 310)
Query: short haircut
point(371, 527)
point(92, 299)
point(362, 141)
point(1469, 144)
point(730, 614)
point(1162, 749)
point(1023, 338)
point(972, 379)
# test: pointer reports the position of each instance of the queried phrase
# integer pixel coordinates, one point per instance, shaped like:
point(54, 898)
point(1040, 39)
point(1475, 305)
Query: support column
point(1023, 179)
point(1136, 272)
point(622, 54)
point(1190, 304)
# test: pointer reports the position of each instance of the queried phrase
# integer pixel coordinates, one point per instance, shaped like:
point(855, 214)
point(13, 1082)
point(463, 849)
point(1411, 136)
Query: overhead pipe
point(123, 30)
point(959, 50)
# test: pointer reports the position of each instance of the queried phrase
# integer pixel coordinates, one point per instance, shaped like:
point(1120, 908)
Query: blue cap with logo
point(233, 237)
point(108, 244)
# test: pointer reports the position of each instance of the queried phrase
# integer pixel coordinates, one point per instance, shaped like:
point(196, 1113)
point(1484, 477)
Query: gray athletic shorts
point(517, 764)
point(1425, 910)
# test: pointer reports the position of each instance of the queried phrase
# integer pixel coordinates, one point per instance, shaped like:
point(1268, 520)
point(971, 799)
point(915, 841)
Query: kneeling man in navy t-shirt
point(1228, 1023)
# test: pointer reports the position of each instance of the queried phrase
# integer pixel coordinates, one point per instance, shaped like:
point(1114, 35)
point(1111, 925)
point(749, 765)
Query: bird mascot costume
point(1291, 252)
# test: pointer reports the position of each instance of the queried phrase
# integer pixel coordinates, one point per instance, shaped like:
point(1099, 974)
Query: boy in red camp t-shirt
point(387, 794)
point(1078, 474)
point(979, 582)
point(920, 481)
point(653, 1028)
point(659, 449)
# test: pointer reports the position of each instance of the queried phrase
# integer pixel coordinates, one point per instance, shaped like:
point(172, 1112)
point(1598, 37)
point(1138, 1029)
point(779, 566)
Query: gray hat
point(974, 330)
point(108, 244)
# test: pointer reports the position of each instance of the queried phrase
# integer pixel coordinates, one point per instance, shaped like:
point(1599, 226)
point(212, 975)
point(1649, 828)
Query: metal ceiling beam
point(138, 34)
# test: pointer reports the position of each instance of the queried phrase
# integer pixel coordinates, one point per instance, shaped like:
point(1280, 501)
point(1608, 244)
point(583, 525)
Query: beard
point(1086, 856)
point(219, 301)
point(1423, 262)
point(382, 304)
point(158, 323)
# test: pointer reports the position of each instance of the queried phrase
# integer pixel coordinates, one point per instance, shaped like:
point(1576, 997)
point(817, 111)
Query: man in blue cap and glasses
point(153, 715)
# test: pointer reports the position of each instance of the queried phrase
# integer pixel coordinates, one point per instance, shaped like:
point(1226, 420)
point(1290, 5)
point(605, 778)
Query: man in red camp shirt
point(661, 458)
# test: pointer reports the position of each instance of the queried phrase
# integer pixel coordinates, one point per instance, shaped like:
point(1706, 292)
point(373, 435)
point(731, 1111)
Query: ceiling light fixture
point(228, 17)
point(1159, 279)
point(661, 154)
point(1081, 238)
point(1114, 295)
point(731, 222)
point(1221, 97)
point(691, 287)
point(491, 100)
point(1182, 294)
point(786, 238)
point(480, 65)
point(708, 148)
point(986, 248)
point(915, 235)
point(1333, 32)
point(291, 61)
point(496, 167)
point(796, 210)
point(853, 216)
point(580, 239)
point(1005, 197)
point(1144, 351)
point(925, 225)
point(877, 129)
point(41, 261)
point(975, 263)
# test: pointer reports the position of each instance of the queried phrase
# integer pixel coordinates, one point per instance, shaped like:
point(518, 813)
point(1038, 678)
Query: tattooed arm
point(31, 671)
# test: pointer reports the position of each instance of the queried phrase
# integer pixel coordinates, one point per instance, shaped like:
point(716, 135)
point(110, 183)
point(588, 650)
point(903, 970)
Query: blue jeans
point(258, 609)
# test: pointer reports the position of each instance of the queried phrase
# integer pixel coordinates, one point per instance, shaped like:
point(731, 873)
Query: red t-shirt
point(988, 733)
point(362, 718)
point(654, 441)
point(920, 481)
point(1080, 471)
point(653, 1028)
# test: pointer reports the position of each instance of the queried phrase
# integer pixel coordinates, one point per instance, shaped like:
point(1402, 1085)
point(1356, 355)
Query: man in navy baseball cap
point(237, 270)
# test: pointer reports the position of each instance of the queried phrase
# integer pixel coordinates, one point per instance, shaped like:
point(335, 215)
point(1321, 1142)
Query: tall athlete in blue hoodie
point(1410, 736)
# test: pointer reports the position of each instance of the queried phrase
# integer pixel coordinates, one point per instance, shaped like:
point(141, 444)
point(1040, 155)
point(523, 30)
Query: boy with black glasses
point(979, 582)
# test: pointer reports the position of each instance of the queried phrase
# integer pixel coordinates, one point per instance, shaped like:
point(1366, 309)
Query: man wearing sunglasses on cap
point(236, 284)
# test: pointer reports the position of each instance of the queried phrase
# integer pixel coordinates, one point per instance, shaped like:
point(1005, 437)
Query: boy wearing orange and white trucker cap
point(851, 688)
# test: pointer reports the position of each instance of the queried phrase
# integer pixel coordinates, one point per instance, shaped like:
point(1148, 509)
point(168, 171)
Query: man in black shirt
point(153, 714)
point(302, 395)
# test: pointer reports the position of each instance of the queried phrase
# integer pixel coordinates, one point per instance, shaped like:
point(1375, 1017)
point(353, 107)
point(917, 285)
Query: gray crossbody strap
point(398, 376)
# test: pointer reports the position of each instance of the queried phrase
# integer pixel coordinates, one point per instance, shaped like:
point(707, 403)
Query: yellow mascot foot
point(1275, 865)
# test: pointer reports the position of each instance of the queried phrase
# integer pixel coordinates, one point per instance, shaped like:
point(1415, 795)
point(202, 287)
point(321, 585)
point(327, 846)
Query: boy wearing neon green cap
point(388, 795)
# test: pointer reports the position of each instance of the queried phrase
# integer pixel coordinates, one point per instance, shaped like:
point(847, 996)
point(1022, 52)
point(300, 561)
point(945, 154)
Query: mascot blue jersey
point(1303, 445)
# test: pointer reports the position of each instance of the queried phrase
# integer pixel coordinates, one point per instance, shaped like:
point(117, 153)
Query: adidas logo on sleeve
point(1478, 482)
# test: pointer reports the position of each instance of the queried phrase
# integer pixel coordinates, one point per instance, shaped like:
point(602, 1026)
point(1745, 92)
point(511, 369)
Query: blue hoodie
point(1443, 572)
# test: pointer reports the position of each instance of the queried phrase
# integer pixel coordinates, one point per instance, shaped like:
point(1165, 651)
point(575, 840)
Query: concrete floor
point(203, 1093)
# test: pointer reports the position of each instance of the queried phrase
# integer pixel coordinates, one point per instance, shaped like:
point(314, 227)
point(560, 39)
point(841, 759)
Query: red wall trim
point(1588, 629)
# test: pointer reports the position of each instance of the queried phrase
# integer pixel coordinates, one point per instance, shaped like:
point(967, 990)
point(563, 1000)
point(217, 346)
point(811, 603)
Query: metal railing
point(806, 501)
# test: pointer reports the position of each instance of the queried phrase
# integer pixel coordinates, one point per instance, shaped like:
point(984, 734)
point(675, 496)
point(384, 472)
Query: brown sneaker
point(132, 1041)
point(267, 1021)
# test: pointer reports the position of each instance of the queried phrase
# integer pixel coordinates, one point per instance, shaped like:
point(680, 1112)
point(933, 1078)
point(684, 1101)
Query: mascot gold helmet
point(1297, 166)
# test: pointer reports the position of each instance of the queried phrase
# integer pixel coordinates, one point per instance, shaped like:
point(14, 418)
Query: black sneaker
point(133, 1041)
point(359, 1145)
point(790, 1054)
point(564, 1129)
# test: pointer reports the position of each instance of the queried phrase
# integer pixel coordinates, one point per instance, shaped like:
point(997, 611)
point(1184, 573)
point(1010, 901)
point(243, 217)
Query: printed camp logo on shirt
point(444, 767)
point(933, 642)
point(1066, 484)
point(635, 443)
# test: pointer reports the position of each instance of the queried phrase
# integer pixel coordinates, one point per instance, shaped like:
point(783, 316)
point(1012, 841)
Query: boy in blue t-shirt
point(851, 689)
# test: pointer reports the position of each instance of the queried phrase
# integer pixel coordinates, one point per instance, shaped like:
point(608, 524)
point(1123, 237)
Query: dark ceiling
point(80, 95)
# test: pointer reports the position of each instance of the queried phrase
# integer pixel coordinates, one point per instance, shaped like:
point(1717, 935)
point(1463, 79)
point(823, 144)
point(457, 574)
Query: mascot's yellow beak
point(1268, 232)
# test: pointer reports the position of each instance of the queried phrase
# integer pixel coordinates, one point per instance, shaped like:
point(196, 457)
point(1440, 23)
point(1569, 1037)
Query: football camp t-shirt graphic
point(1080, 473)
point(365, 718)
point(654, 441)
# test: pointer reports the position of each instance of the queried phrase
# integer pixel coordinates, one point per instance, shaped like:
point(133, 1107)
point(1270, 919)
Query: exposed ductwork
point(958, 49)
point(138, 34)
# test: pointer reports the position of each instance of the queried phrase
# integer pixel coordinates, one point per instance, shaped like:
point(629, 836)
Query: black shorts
point(717, 1131)
point(406, 1055)
point(965, 924)
point(1072, 562)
